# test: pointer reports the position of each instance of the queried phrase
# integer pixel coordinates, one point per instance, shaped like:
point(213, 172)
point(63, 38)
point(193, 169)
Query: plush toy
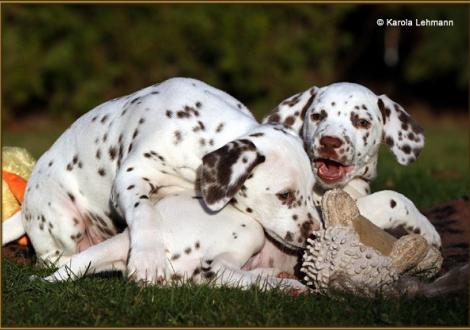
point(17, 165)
point(355, 256)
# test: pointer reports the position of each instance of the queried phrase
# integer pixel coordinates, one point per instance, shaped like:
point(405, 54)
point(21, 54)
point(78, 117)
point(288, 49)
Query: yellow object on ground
point(17, 165)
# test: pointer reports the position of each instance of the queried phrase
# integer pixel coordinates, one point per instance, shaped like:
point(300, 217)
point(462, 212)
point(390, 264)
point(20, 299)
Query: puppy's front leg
point(132, 189)
point(388, 209)
point(108, 255)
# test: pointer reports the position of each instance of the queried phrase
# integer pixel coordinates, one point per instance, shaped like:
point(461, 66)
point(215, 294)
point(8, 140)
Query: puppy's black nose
point(330, 142)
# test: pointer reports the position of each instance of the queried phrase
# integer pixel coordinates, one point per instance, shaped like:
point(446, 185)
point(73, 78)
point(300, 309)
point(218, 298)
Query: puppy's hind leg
point(108, 255)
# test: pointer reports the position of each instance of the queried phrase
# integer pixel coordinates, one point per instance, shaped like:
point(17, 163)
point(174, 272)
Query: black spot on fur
point(178, 137)
point(393, 203)
point(134, 135)
point(219, 128)
point(389, 141)
point(406, 149)
point(101, 172)
point(112, 153)
point(71, 196)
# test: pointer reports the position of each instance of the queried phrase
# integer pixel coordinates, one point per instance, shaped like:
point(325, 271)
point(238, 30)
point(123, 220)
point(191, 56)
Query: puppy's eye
point(315, 116)
point(363, 123)
point(285, 196)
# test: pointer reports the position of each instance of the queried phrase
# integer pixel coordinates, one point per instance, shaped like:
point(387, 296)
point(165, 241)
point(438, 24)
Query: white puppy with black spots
point(161, 140)
point(343, 125)
point(201, 247)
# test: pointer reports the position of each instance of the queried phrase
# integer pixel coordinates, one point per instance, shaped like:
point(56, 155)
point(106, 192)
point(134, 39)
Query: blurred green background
point(64, 59)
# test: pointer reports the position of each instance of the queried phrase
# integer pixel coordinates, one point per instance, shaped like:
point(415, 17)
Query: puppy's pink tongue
point(330, 171)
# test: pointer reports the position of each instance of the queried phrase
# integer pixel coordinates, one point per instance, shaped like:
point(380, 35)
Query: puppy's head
point(267, 175)
point(344, 127)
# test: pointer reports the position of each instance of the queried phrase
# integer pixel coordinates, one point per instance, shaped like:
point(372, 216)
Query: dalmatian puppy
point(153, 143)
point(200, 247)
point(343, 125)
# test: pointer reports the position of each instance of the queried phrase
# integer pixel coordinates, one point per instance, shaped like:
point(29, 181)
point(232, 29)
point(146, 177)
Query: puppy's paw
point(147, 265)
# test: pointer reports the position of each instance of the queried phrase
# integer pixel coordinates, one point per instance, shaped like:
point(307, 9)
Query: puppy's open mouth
point(330, 170)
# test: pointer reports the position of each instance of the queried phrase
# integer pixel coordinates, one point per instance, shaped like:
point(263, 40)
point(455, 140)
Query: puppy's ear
point(225, 170)
point(291, 112)
point(403, 135)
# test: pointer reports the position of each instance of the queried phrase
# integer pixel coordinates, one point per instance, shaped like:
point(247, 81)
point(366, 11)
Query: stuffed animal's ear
point(225, 170)
point(403, 135)
point(291, 112)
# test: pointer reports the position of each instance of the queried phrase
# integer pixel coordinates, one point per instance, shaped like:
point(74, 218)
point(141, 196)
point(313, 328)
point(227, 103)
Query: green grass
point(439, 175)
point(111, 301)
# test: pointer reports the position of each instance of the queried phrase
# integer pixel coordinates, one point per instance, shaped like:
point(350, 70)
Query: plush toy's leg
point(408, 251)
point(338, 208)
point(389, 209)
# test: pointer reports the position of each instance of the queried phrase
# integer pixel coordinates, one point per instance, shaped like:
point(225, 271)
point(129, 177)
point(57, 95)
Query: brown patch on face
point(275, 118)
point(217, 170)
point(359, 122)
point(289, 121)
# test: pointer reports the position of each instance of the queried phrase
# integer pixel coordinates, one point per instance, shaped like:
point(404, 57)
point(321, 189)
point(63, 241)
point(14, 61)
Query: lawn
point(440, 175)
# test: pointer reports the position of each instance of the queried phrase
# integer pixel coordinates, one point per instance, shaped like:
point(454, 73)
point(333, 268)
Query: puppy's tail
point(12, 228)
point(455, 280)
